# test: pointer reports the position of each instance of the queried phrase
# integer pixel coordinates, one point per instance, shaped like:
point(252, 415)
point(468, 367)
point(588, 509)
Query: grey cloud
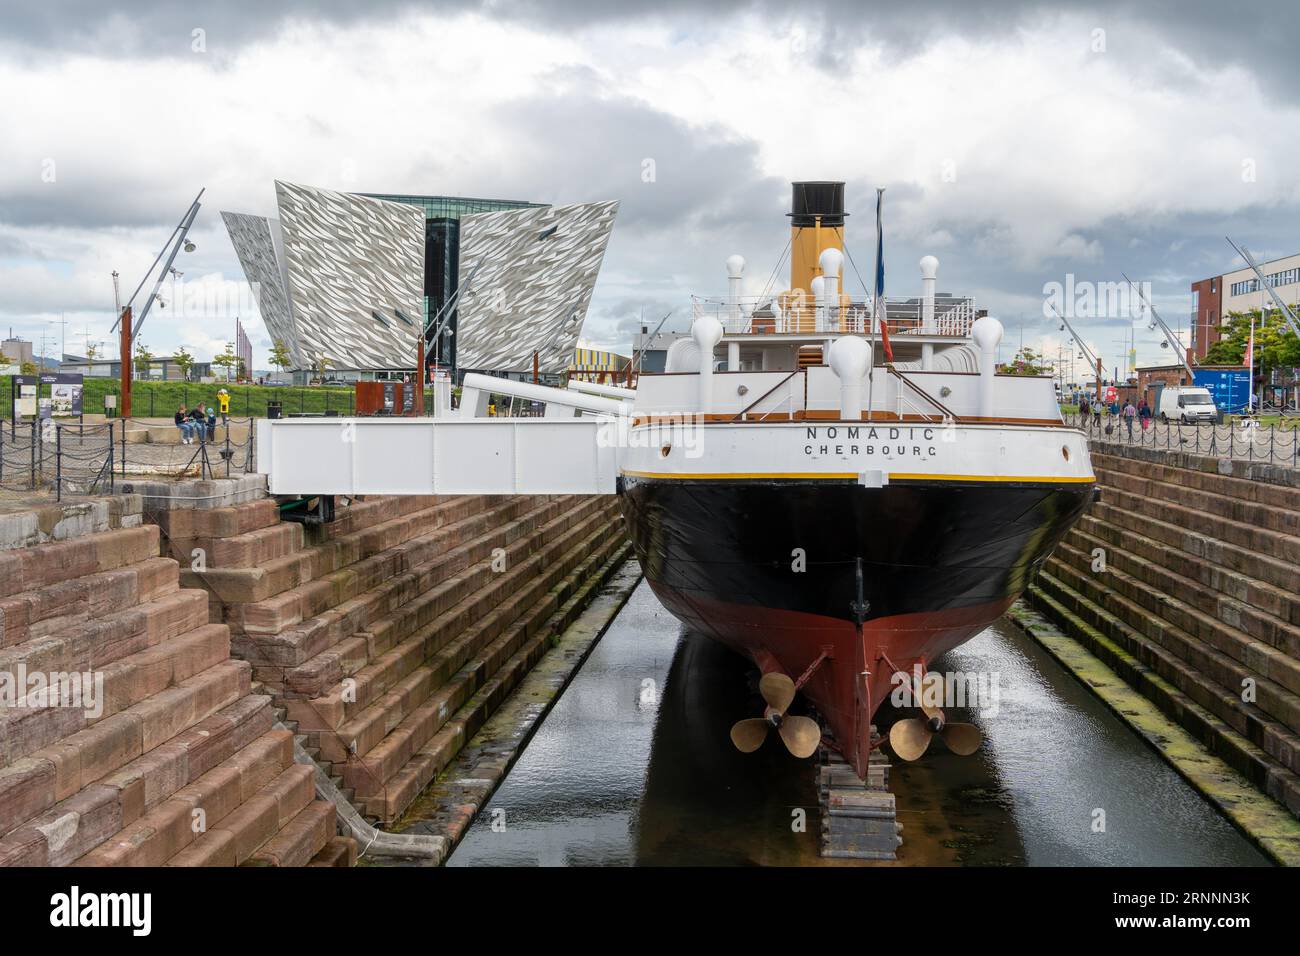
point(1260, 39)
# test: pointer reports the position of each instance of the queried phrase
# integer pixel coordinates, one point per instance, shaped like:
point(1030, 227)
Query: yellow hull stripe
point(704, 476)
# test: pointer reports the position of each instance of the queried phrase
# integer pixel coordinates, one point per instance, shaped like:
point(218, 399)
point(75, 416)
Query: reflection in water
point(634, 766)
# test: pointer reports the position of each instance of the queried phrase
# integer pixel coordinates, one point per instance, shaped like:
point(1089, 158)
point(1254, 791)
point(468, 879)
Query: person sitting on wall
point(199, 422)
point(183, 423)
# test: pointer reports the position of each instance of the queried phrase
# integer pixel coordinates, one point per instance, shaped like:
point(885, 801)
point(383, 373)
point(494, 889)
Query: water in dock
point(634, 766)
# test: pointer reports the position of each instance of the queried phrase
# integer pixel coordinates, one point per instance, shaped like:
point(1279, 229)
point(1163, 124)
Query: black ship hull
point(784, 570)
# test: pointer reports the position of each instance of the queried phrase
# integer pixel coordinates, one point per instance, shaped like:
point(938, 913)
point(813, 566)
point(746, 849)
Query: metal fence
point(1246, 439)
point(67, 458)
point(47, 457)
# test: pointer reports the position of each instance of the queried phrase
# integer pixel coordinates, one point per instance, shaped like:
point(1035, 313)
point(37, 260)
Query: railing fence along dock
point(1245, 439)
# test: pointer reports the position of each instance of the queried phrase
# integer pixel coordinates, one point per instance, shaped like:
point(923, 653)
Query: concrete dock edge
point(1267, 824)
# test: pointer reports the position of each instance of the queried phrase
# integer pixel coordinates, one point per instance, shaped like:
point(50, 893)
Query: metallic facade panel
point(536, 269)
point(353, 263)
point(256, 245)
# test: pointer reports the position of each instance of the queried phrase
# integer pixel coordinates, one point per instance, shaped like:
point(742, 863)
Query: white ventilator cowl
point(987, 335)
point(706, 332)
point(849, 359)
point(831, 261)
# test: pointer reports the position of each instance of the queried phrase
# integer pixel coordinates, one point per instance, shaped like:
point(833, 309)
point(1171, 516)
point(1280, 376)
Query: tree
point(92, 351)
point(241, 373)
point(280, 355)
point(28, 368)
point(1275, 345)
point(319, 366)
point(184, 362)
point(143, 360)
point(1026, 362)
point(226, 359)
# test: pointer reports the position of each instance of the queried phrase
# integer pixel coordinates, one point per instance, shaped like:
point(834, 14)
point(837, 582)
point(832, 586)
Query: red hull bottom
point(791, 641)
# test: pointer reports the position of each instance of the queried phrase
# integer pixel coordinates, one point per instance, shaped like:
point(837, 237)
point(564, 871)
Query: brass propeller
point(910, 737)
point(801, 735)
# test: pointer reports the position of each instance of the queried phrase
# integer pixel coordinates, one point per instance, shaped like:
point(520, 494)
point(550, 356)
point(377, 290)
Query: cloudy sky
point(1019, 143)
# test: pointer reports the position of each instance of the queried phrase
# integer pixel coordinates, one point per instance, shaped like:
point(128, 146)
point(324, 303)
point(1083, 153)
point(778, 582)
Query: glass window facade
point(442, 254)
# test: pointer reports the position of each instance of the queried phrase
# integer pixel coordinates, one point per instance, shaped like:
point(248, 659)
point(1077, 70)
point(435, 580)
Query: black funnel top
point(810, 200)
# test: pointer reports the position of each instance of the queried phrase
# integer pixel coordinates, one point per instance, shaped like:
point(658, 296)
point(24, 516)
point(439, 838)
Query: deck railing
point(796, 313)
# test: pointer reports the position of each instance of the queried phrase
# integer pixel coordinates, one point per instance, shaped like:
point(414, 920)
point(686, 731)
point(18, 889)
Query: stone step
point(30, 524)
point(338, 851)
point(186, 528)
point(258, 819)
point(1187, 579)
point(135, 665)
point(174, 824)
point(65, 800)
point(1237, 489)
point(1283, 547)
point(276, 654)
point(385, 782)
point(1225, 654)
point(44, 611)
point(396, 684)
point(254, 547)
point(40, 566)
point(298, 601)
point(1207, 676)
point(1169, 487)
point(1165, 681)
point(1126, 512)
point(300, 839)
point(466, 598)
point(95, 644)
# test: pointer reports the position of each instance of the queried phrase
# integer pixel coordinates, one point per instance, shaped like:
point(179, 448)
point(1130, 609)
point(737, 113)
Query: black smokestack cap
point(810, 200)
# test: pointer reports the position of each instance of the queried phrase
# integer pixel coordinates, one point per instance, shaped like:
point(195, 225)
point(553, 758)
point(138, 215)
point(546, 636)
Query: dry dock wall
point(380, 643)
point(180, 763)
point(388, 636)
point(1183, 579)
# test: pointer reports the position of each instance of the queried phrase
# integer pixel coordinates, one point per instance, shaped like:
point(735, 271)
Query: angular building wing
point(348, 277)
point(533, 274)
point(356, 271)
point(258, 244)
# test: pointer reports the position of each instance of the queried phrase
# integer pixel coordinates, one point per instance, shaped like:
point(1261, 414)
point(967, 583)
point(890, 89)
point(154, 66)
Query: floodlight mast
point(1277, 301)
point(128, 329)
point(1096, 362)
point(1174, 343)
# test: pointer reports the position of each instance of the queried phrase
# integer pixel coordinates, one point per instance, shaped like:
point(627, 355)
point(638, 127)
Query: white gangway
point(570, 449)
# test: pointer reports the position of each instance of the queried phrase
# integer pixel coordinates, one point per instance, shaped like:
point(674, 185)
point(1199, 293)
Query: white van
point(1187, 404)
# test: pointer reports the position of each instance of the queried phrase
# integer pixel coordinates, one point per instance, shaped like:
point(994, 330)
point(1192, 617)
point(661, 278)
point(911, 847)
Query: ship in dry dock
point(853, 500)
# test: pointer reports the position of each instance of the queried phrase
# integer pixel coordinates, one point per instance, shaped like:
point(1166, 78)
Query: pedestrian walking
point(1083, 411)
point(1144, 414)
point(1130, 413)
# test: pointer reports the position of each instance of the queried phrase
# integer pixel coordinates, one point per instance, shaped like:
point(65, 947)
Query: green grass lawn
point(161, 399)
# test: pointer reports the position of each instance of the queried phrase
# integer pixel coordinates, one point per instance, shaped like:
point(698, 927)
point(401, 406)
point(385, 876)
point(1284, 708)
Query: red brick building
point(1207, 315)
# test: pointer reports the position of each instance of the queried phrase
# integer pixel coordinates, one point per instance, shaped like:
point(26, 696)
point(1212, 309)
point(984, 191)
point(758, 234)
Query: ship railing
point(909, 392)
point(799, 313)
